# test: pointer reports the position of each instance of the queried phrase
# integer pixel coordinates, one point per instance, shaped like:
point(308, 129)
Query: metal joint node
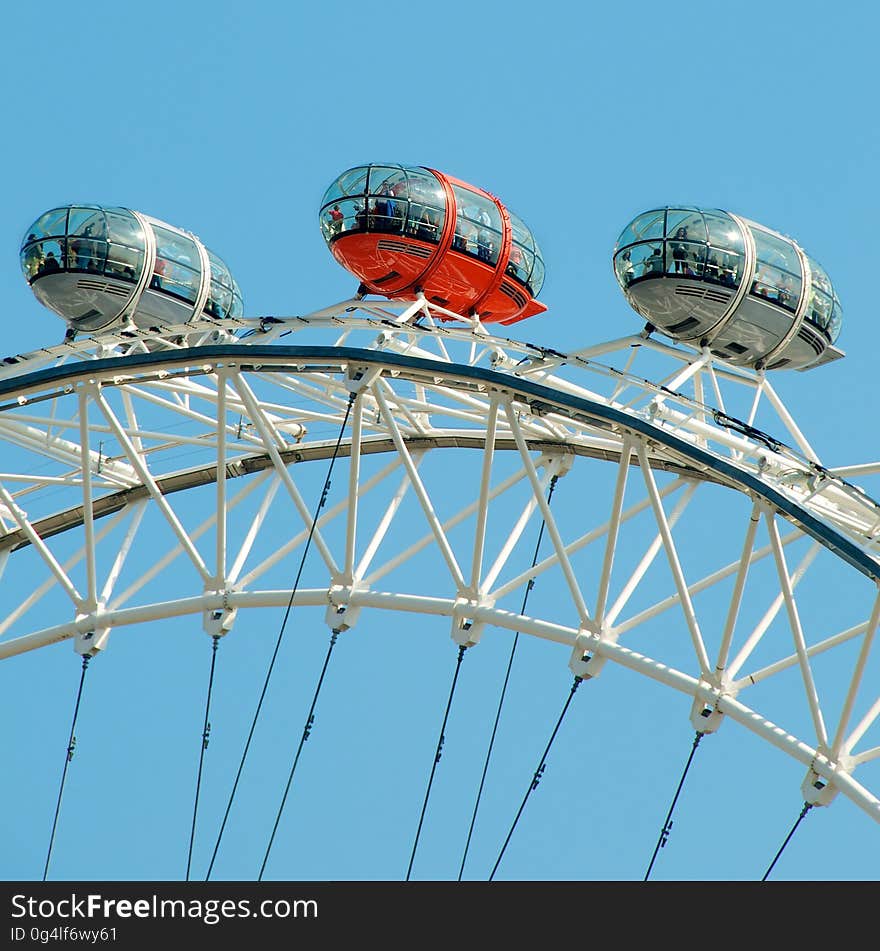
point(466, 629)
point(705, 715)
point(218, 621)
point(92, 636)
point(359, 378)
point(341, 615)
point(585, 663)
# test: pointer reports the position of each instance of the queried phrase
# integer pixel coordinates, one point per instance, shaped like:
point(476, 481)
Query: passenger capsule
point(711, 278)
point(108, 268)
point(402, 230)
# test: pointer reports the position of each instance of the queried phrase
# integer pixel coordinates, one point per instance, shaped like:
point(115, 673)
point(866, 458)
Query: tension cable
point(71, 745)
point(807, 807)
point(206, 730)
point(250, 736)
point(539, 772)
point(522, 611)
point(437, 755)
point(667, 824)
point(310, 720)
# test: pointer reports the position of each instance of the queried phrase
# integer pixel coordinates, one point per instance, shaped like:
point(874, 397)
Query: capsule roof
point(404, 229)
point(749, 293)
point(101, 267)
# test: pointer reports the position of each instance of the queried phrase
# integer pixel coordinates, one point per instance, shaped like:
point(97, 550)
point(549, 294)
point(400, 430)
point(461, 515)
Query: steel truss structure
point(145, 476)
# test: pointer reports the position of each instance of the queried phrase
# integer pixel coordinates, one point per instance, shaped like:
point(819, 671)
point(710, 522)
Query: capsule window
point(477, 227)
point(685, 225)
point(536, 278)
point(639, 261)
point(521, 234)
point(685, 258)
point(426, 213)
point(43, 257)
point(777, 276)
point(520, 263)
point(724, 234)
point(724, 267)
point(52, 224)
point(177, 270)
point(219, 301)
point(349, 184)
point(645, 227)
point(387, 206)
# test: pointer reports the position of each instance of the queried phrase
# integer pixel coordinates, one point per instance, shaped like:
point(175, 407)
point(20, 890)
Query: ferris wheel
point(645, 507)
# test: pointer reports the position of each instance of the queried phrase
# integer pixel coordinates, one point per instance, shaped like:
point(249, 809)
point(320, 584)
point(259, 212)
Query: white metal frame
point(98, 433)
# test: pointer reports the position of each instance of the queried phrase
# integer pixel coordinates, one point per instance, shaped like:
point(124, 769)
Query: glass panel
point(724, 233)
point(354, 218)
point(82, 218)
point(776, 285)
point(427, 206)
point(31, 260)
point(819, 308)
point(778, 270)
point(536, 279)
point(87, 254)
point(624, 268)
point(53, 223)
point(332, 221)
point(52, 256)
point(521, 234)
point(724, 267)
point(385, 180)
point(478, 227)
point(648, 225)
point(520, 263)
point(125, 263)
point(42, 257)
point(125, 229)
point(237, 307)
point(219, 271)
point(777, 252)
point(176, 279)
point(386, 212)
point(352, 182)
point(425, 222)
point(176, 247)
point(686, 225)
point(646, 259)
point(684, 257)
point(835, 323)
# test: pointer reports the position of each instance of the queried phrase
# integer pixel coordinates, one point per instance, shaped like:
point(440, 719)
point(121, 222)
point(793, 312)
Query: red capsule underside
point(397, 265)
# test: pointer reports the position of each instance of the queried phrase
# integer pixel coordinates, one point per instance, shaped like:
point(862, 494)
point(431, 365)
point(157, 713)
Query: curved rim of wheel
point(547, 426)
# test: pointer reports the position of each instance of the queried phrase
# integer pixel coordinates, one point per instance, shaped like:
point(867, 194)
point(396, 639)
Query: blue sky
point(230, 120)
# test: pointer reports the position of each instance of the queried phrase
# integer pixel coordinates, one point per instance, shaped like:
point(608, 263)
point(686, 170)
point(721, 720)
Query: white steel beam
point(674, 563)
point(549, 520)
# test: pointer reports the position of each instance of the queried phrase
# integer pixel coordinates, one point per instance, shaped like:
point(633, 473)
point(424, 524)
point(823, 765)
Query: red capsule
point(402, 230)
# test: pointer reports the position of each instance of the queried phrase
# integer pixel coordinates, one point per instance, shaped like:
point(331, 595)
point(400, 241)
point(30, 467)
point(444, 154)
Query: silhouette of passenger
point(33, 258)
point(654, 262)
point(158, 274)
point(51, 264)
point(335, 221)
point(680, 251)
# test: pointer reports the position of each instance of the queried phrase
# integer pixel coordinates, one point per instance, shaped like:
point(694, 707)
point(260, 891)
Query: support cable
point(667, 824)
point(71, 745)
point(807, 807)
point(250, 736)
point(539, 772)
point(437, 755)
point(522, 611)
point(310, 722)
point(206, 731)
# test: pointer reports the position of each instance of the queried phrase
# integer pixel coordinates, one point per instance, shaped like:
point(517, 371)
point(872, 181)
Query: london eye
point(641, 522)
